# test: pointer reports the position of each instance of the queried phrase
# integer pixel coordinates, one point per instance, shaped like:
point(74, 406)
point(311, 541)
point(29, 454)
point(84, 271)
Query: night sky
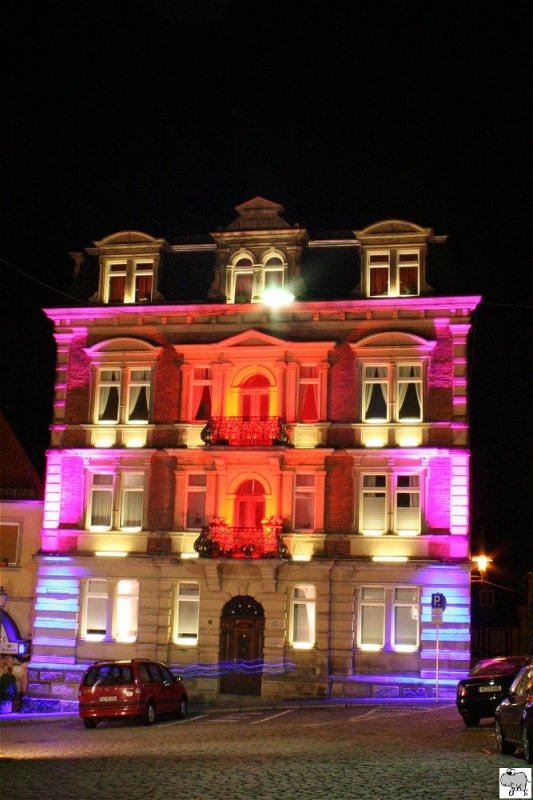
point(162, 116)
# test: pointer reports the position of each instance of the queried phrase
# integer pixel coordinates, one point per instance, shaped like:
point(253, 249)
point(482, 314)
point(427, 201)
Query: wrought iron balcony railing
point(245, 431)
point(223, 540)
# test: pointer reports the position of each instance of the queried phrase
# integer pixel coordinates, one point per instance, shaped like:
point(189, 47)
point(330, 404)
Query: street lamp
point(482, 564)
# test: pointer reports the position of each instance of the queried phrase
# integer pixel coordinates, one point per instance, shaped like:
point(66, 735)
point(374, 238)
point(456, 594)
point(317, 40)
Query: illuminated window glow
point(389, 618)
point(187, 613)
point(303, 614)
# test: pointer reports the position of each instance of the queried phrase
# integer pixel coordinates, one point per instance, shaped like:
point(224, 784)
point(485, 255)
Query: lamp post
point(3, 600)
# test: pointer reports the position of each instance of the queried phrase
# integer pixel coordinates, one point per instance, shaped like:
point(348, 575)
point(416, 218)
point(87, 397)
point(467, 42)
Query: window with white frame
point(110, 610)
point(131, 501)
point(201, 393)
point(405, 628)
point(388, 618)
point(187, 613)
point(128, 281)
point(9, 544)
point(379, 274)
point(371, 626)
point(406, 490)
point(304, 501)
point(391, 273)
point(123, 395)
point(303, 617)
point(308, 393)
point(392, 392)
point(116, 500)
point(196, 493)
point(390, 503)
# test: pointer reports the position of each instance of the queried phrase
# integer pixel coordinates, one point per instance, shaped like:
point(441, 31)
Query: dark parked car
point(514, 717)
point(486, 686)
point(137, 688)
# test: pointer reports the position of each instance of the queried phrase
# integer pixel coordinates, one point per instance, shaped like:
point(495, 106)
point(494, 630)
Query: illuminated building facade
point(265, 496)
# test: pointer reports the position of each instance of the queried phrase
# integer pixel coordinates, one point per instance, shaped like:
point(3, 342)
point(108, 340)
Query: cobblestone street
point(336, 753)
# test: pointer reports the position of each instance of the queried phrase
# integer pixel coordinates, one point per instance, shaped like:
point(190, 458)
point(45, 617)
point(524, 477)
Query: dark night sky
point(162, 116)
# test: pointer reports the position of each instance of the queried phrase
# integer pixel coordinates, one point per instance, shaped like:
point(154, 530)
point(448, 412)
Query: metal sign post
point(438, 604)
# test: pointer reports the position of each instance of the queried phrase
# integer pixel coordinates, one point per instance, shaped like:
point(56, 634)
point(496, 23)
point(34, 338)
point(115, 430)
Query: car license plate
point(489, 688)
point(110, 699)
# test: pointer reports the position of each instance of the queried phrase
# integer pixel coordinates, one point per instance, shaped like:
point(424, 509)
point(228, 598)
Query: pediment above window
point(122, 344)
point(252, 338)
point(392, 341)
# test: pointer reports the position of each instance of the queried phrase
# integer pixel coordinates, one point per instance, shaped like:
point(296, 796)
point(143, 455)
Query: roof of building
point(18, 478)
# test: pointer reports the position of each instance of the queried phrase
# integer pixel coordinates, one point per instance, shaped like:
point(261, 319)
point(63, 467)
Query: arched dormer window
point(241, 277)
point(274, 269)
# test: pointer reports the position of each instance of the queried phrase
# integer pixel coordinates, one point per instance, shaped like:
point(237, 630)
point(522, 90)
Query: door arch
point(241, 646)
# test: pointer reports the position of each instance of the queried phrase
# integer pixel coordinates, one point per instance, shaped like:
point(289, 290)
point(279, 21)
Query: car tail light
point(461, 692)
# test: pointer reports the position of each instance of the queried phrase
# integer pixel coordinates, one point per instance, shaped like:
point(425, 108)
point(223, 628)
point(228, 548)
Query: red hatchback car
point(139, 688)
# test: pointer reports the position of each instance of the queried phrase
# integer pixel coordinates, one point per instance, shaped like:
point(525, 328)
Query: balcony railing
point(222, 540)
point(245, 431)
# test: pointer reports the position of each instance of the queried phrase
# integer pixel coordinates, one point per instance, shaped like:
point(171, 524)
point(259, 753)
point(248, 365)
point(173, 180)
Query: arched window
point(249, 504)
point(255, 399)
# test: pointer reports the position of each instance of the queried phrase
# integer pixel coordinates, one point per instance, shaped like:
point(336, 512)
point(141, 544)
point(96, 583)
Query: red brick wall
point(72, 491)
point(343, 386)
point(339, 494)
point(166, 387)
point(161, 492)
point(78, 384)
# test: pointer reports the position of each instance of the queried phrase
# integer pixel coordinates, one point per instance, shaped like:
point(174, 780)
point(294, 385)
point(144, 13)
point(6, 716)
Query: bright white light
point(372, 648)
point(302, 645)
point(111, 553)
point(189, 555)
point(375, 441)
point(277, 297)
point(482, 562)
point(391, 559)
point(301, 557)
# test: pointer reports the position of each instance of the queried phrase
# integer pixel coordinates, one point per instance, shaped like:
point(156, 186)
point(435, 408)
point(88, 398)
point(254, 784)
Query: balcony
point(222, 540)
point(245, 431)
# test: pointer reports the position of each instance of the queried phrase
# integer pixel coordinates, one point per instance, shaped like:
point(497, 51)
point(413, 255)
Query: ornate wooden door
point(241, 646)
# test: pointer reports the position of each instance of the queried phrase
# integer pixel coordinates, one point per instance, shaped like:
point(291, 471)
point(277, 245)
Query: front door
point(241, 646)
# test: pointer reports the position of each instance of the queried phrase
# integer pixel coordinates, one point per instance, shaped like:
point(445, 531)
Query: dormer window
point(273, 273)
point(243, 280)
point(128, 281)
point(393, 272)
point(249, 276)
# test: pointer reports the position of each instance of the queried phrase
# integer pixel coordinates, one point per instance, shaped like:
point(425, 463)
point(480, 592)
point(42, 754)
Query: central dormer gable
point(258, 252)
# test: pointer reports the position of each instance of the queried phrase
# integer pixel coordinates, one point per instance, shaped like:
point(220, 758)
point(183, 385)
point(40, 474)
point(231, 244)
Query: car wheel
point(181, 713)
point(148, 716)
point(471, 720)
point(505, 748)
point(89, 723)
point(527, 744)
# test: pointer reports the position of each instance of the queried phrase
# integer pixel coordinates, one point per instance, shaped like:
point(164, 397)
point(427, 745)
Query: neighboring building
point(21, 517)
point(265, 497)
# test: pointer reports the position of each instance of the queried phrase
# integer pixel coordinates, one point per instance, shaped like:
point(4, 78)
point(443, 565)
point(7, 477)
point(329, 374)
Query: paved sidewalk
point(236, 705)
